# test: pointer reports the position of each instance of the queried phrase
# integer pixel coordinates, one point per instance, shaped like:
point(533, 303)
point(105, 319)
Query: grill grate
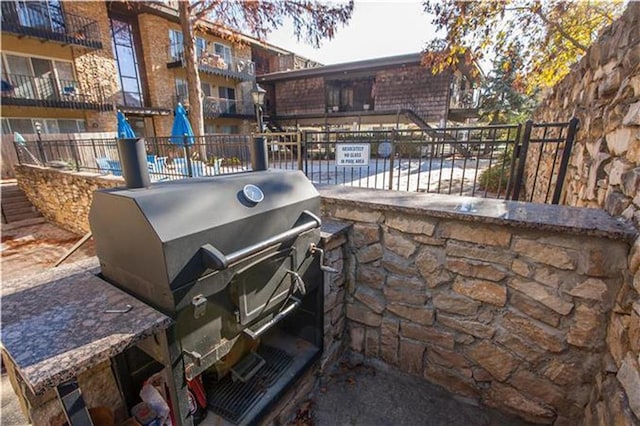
point(232, 400)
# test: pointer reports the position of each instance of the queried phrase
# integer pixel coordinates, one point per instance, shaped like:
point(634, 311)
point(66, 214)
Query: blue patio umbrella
point(124, 128)
point(181, 127)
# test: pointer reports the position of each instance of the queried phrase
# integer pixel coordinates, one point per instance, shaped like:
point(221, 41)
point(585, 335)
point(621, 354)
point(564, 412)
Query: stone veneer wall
point(507, 306)
point(63, 197)
point(603, 91)
point(96, 67)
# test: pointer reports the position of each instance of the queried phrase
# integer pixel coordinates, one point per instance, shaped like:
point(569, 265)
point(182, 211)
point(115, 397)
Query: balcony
point(210, 63)
point(48, 22)
point(47, 91)
point(464, 104)
point(219, 107)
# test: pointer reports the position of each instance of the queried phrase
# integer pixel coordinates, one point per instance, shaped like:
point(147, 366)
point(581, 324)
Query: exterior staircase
point(436, 134)
point(15, 205)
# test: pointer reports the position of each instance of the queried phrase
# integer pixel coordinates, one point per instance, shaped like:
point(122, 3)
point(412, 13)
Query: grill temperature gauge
point(253, 193)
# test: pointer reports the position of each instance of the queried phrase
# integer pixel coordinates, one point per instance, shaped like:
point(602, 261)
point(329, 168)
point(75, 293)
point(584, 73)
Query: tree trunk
point(193, 78)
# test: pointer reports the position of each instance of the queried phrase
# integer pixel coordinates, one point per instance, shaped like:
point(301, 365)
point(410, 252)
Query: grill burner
point(233, 400)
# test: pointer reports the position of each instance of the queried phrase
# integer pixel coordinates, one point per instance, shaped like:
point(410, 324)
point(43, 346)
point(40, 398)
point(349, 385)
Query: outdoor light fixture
point(257, 94)
point(43, 157)
point(260, 149)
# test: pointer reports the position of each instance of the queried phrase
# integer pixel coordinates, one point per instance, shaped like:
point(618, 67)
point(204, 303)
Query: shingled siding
point(414, 88)
point(301, 96)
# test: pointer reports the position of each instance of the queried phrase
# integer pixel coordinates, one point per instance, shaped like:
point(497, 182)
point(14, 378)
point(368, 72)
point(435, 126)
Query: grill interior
point(233, 400)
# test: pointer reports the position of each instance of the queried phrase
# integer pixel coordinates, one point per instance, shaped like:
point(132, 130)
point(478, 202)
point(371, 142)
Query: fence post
point(299, 144)
point(392, 157)
point(512, 166)
point(74, 154)
point(305, 136)
point(188, 156)
point(574, 124)
point(522, 157)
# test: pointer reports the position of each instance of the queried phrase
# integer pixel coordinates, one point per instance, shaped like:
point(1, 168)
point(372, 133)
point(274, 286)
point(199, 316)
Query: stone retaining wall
point(63, 197)
point(507, 306)
point(603, 91)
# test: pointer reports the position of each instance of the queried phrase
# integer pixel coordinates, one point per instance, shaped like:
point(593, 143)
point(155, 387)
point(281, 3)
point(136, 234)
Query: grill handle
point(213, 258)
point(254, 334)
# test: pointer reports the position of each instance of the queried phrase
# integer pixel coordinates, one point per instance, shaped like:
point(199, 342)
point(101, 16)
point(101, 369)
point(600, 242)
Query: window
point(182, 91)
point(209, 128)
point(226, 92)
point(229, 129)
point(37, 14)
point(27, 126)
point(201, 47)
point(38, 78)
point(228, 103)
point(223, 51)
point(206, 88)
point(176, 45)
point(127, 63)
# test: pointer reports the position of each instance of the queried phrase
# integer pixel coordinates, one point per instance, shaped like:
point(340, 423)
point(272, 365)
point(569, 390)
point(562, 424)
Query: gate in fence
point(509, 162)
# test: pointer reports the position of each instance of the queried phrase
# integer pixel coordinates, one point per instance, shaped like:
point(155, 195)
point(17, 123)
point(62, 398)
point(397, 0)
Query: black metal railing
point(211, 63)
point(49, 91)
point(213, 107)
point(515, 162)
point(49, 22)
point(486, 161)
point(473, 161)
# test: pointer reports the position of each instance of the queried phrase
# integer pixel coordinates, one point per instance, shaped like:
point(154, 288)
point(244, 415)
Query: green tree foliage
point(313, 21)
point(502, 101)
point(546, 36)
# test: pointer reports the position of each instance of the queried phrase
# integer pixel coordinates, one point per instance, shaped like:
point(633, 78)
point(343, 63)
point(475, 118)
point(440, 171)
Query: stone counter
point(543, 217)
point(55, 325)
point(502, 302)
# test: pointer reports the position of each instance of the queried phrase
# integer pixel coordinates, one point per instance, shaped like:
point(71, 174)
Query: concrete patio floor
point(352, 393)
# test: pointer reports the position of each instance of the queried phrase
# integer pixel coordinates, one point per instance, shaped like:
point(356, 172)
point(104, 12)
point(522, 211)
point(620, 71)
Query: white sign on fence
point(356, 154)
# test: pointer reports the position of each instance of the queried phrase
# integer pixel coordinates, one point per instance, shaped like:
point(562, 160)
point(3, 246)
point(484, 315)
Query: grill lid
point(149, 240)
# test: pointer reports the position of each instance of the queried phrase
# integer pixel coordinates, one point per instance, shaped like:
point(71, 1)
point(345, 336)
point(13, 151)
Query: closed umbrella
point(124, 128)
point(181, 127)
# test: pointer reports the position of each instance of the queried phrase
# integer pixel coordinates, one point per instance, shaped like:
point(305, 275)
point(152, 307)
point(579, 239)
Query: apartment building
point(67, 64)
point(376, 93)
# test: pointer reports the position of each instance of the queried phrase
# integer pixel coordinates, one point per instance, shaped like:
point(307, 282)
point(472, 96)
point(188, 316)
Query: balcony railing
point(465, 99)
point(48, 22)
point(241, 69)
point(213, 107)
point(48, 91)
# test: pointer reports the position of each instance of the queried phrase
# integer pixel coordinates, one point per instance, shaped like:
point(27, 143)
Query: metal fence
point(518, 162)
point(485, 161)
point(168, 158)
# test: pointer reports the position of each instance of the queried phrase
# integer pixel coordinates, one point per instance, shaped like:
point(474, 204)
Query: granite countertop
point(548, 217)
point(54, 325)
point(331, 228)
